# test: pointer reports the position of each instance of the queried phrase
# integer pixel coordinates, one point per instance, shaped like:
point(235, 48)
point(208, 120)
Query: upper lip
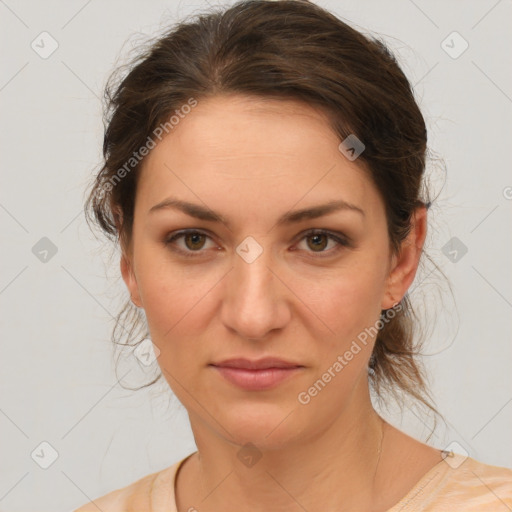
point(260, 364)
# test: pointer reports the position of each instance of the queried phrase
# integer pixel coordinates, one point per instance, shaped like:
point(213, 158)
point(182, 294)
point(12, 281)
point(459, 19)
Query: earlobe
point(405, 263)
point(130, 280)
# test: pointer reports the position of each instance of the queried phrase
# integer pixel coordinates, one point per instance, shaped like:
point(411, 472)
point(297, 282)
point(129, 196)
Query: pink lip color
point(256, 380)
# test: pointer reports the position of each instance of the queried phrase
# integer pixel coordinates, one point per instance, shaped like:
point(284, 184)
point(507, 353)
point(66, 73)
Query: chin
point(267, 426)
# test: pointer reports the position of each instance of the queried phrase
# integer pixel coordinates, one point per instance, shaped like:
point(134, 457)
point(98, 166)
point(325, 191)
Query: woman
point(263, 175)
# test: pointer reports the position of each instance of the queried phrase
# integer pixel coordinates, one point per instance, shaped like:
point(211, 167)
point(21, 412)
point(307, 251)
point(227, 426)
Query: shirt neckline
point(432, 476)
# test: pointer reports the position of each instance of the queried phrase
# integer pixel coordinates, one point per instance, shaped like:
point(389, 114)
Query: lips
point(260, 364)
point(257, 375)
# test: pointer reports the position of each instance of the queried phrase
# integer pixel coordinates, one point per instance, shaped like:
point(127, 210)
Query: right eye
point(193, 239)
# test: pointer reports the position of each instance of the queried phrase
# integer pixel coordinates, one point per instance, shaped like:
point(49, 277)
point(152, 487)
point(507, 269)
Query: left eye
point(320, 239)
point(194, 242)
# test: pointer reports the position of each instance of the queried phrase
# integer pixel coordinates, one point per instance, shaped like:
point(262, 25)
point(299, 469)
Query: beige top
point(457, 483)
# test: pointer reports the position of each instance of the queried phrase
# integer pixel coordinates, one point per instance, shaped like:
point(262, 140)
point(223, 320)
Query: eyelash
point(339, 239)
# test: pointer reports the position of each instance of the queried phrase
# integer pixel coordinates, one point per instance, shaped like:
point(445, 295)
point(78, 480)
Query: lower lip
point(256, 380)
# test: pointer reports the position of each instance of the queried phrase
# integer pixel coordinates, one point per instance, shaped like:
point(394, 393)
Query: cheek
point(350, 307)
point(178, 306)
point(344, 303)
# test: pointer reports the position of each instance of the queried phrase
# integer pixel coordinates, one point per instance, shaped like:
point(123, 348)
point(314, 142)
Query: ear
point(130, 280)
point(405, 263)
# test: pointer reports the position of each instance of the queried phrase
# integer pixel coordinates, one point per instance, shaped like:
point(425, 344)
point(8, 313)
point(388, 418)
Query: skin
point(252, 160)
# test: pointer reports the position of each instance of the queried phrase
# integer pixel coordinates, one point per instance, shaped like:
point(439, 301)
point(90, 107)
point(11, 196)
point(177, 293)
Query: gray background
point(57, 380)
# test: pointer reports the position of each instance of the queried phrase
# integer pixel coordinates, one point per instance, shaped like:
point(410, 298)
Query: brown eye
point(194, 241)
point(318, 241)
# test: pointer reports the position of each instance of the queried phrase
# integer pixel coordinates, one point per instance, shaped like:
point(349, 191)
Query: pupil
point(316, 238)
point(194, 238)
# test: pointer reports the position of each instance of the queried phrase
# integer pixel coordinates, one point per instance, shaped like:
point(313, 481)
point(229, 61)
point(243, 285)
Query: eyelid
point(342, 241)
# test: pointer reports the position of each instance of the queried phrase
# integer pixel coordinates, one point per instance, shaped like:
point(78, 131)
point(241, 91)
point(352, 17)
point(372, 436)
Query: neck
point(335, 468)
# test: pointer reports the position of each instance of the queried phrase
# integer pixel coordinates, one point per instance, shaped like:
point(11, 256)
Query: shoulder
point(460, 483)
point(142, 494)
point(472, 486)
point(121, 500)
point(478, 478)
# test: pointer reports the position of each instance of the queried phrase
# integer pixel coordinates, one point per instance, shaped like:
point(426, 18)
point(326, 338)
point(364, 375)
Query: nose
point(255, 301)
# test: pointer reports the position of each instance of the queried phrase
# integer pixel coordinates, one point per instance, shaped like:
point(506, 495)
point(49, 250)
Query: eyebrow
point(204, 213)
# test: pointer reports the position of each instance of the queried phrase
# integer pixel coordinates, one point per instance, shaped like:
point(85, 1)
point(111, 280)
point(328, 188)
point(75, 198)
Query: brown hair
point(287, 49)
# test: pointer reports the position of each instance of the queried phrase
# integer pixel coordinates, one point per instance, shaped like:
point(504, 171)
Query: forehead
point(242, 125)
point(230, 149)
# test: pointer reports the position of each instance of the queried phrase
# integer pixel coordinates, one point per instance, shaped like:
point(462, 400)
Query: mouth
point(257, 375)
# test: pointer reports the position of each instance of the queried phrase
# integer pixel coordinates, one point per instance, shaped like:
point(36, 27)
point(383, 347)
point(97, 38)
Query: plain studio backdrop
point(68, 431)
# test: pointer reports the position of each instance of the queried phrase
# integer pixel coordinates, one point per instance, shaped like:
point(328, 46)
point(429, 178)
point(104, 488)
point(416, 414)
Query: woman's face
point(251, 286)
